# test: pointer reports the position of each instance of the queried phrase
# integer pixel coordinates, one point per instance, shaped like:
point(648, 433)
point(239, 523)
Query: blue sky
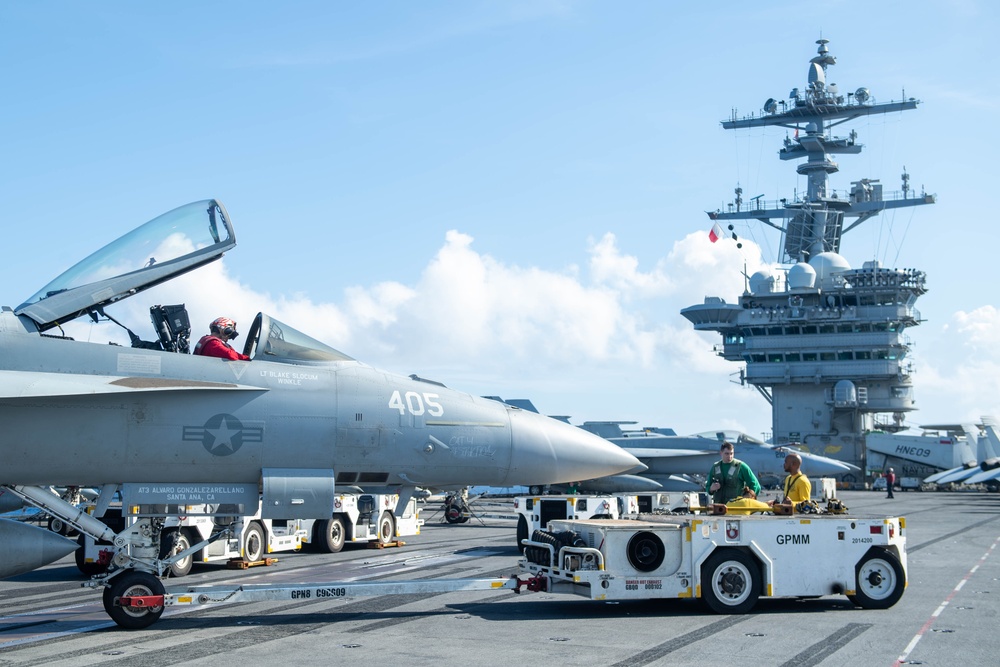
point(508, 197)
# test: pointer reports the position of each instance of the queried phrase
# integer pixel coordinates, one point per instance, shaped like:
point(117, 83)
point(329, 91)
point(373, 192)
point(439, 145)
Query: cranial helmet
point(224, 326)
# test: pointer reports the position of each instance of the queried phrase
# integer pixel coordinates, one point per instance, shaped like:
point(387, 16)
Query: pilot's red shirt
point(213, 346)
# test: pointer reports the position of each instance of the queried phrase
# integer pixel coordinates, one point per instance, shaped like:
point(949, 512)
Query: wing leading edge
point(30, 384)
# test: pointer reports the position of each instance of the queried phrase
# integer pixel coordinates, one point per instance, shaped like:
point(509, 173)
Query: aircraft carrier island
point(824, 343)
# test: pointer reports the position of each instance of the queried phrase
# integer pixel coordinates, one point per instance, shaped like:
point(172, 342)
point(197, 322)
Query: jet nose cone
point(548, 451)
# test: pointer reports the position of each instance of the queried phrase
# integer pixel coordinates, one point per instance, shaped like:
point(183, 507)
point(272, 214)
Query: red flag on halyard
point(715, 233)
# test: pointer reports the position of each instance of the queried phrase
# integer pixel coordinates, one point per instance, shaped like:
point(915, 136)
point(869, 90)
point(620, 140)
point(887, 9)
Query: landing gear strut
point(456, 510)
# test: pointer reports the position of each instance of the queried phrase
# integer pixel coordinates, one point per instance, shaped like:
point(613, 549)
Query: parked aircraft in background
point(984, 451)
point(672, 461)
point(988, 470)
point(667, 454)
point(169, 429)
point(938, 448)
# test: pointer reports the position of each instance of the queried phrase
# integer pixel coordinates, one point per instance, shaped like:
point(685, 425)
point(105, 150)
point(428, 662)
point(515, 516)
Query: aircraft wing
point(619, 484)
point(660, 453)
point(662, 461)
point(983, 476)
point(30, 384)
point(936, 477)
point(988, 454)
point(951, 475)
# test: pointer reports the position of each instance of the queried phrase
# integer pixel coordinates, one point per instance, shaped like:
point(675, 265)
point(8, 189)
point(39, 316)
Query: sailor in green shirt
point(727, 477)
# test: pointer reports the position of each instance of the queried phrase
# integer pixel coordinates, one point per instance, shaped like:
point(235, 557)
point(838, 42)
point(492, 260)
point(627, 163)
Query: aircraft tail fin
point(990, 445)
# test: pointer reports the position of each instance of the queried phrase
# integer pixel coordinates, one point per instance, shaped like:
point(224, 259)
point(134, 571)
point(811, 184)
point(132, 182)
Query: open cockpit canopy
point(165, 247)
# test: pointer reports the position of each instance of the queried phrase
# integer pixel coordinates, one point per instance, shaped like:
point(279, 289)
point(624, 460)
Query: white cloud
point(470, 309)
point(608, 344)
point(958, 370)
point(980, 328)
point(378, 305)
point(608, 266)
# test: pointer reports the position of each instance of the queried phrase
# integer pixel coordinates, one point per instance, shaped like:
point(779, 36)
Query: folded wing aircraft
point(988, 470)
point(971, 465)
point(671, 460)
point(665, 453)
point(942, 447)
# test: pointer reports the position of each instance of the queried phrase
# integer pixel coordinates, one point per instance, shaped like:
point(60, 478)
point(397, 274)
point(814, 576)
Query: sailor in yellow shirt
point(796, 487)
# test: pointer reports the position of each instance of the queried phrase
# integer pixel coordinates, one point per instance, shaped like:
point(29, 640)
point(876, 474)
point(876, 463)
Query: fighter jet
point(671, 460)
point(668, 455)
point(167, 429)
point(971, 465)
point(988, 470)
point(939, 448)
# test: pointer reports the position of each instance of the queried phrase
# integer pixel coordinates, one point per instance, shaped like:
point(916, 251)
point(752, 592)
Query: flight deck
point(948, 613)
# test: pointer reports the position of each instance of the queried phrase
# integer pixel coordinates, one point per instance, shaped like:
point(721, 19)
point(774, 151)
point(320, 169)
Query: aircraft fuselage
point(88, 414)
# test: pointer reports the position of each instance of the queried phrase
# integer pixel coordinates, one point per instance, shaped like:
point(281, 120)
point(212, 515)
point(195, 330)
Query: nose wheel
point(136, 587)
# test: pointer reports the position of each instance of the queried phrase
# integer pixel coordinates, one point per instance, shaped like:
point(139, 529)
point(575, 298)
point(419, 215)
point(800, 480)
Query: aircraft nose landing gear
point(134, 600)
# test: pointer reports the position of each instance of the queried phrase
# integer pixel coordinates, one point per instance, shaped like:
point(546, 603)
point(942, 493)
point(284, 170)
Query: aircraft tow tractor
point(728, 562)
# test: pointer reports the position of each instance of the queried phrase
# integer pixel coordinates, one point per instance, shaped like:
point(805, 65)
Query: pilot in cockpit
point(216, 343)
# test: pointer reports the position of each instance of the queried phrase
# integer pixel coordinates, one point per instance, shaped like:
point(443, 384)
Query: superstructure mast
point(823, 342)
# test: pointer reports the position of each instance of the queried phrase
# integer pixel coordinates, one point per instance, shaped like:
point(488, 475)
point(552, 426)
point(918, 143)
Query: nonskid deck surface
point(764, 516)
point(45, 619)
